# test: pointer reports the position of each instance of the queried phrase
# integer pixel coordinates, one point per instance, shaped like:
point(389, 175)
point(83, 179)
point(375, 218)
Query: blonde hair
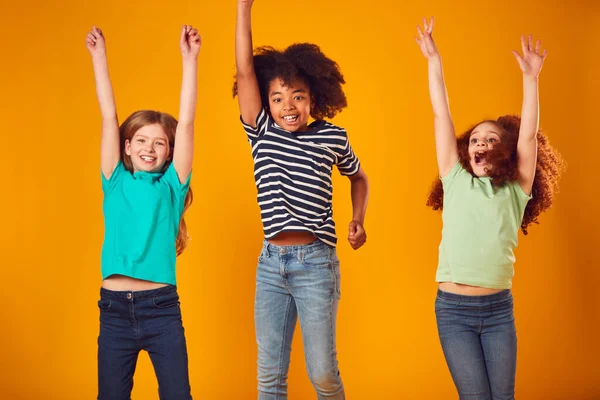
point(128, 128)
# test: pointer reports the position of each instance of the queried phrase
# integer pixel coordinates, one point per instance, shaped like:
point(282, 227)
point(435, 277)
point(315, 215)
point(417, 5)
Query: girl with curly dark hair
point(298, 272)
point(496, 178)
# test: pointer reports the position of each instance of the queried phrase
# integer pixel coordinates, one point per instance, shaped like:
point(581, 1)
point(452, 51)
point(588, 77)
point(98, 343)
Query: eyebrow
point(139, 135)
point(474, 132)
point(295, 91)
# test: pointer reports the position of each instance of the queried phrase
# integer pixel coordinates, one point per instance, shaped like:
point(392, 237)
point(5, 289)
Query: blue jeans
point(144, 320)
point(297, 281)
point(479, 340)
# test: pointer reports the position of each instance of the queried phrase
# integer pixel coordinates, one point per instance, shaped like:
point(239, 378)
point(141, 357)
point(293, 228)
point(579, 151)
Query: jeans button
point(283, 251)
point(129, 296)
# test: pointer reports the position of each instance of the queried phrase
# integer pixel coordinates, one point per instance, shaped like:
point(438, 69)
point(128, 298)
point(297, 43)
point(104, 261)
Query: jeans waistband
point(503, 295)
point(129, 295)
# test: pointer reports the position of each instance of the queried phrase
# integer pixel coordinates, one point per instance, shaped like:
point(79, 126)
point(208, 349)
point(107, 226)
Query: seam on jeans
point(282, 349)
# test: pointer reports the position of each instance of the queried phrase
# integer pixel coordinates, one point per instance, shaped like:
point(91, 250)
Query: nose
point(287, 106)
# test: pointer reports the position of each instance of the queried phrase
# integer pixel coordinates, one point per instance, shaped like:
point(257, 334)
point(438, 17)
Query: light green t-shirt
point(141, 221)
point(481, 225)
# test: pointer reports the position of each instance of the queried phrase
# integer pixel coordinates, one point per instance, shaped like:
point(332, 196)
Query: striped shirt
point(292, 171)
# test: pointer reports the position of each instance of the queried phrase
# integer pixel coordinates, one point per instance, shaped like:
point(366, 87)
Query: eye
point(473, 140)
point(276, 100)
point(298, 98)
point(492, 140)
point(141, 140)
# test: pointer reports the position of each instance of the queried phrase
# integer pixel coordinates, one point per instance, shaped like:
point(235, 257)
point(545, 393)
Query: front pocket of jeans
point(167, 301)
point(104, 305)
point(318, 259)
point(445, 305)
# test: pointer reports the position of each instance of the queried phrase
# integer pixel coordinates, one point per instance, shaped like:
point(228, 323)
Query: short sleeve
point(109, 184)
point(347, 162)
point(451, 176)
point(261, 125)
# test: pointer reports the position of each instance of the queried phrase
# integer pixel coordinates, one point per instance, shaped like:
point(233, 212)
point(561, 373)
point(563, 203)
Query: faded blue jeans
point(297, 282)
point(479, 340)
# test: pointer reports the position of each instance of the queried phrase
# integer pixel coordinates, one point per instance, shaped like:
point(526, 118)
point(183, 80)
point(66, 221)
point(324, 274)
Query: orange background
point(387, 339)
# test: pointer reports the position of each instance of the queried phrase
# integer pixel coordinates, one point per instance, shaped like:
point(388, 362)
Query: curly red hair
point(503, 157)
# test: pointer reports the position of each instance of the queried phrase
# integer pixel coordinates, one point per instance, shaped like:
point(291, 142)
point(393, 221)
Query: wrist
point(189, 60)
point(358, 220)
point(529, 78)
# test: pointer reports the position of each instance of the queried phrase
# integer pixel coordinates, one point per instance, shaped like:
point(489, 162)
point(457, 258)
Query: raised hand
point(95, 42)
point(532, 59)
point(190, 42)
point(425, 40)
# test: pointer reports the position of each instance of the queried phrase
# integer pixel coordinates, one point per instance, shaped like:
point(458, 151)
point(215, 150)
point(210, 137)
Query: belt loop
point(267, 253)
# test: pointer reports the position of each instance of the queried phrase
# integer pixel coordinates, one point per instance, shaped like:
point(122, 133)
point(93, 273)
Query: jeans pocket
point(338, 286)
point(104, 305)
point(442, 305)
point(166, 301)
point(319, 258)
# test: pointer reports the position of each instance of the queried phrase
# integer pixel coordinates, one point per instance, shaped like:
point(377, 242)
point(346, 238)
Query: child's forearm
point(359, 190)
point(243, 40)
point(189, 90)
point(530, 108)
point(437, 89)
point(104, 89)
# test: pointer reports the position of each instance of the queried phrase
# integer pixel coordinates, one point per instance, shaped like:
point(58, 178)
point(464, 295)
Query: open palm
point(425, 40)
point(532, 60)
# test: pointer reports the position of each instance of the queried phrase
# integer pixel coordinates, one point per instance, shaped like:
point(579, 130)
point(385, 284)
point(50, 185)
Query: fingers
point(189, 33)
point(530, 43)
point(523, 45)
point(537, 46)
point(517, 56)
point(430, 30)
point(352, 228)
point(419, 32)
point(183, 32)
point(356, 236)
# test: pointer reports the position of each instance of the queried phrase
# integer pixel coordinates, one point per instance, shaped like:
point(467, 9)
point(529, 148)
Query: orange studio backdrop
point(52, 225)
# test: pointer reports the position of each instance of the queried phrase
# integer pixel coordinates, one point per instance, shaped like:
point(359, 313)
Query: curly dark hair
point(304, 61)
point(503, 157)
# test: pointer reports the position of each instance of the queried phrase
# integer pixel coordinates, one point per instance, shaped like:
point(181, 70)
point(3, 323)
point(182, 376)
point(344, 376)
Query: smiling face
point(290, 105)
point(482, 139)
point(148, 148)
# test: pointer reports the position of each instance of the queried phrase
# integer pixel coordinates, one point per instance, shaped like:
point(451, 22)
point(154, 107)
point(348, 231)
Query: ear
point(313, 101)
point(127, 147)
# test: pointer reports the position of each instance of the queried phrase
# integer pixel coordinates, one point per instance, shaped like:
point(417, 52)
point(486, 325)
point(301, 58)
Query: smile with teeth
point(290, 118)
point(148, 158)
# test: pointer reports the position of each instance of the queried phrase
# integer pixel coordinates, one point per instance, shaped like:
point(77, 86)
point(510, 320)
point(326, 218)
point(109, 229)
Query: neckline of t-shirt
point(313, 127)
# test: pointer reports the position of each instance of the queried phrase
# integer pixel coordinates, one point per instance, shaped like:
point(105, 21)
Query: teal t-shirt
point(141, 221)
point(481, 226)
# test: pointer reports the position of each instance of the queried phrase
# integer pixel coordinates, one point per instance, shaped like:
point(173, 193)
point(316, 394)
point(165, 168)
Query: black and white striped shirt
point(293, 175)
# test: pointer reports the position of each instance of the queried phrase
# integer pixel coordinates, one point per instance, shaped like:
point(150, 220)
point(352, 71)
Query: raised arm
point(445, 138)
point(531, 64)
point(110, 151)
point(247, 85)
point(183, 153)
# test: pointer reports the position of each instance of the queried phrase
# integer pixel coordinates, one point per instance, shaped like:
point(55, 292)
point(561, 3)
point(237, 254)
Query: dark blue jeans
point(145, 320)
point(479, 340)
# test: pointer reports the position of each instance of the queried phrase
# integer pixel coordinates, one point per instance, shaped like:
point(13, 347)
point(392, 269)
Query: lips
point(148, 159)
point(290, 119)
point(479, 158)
